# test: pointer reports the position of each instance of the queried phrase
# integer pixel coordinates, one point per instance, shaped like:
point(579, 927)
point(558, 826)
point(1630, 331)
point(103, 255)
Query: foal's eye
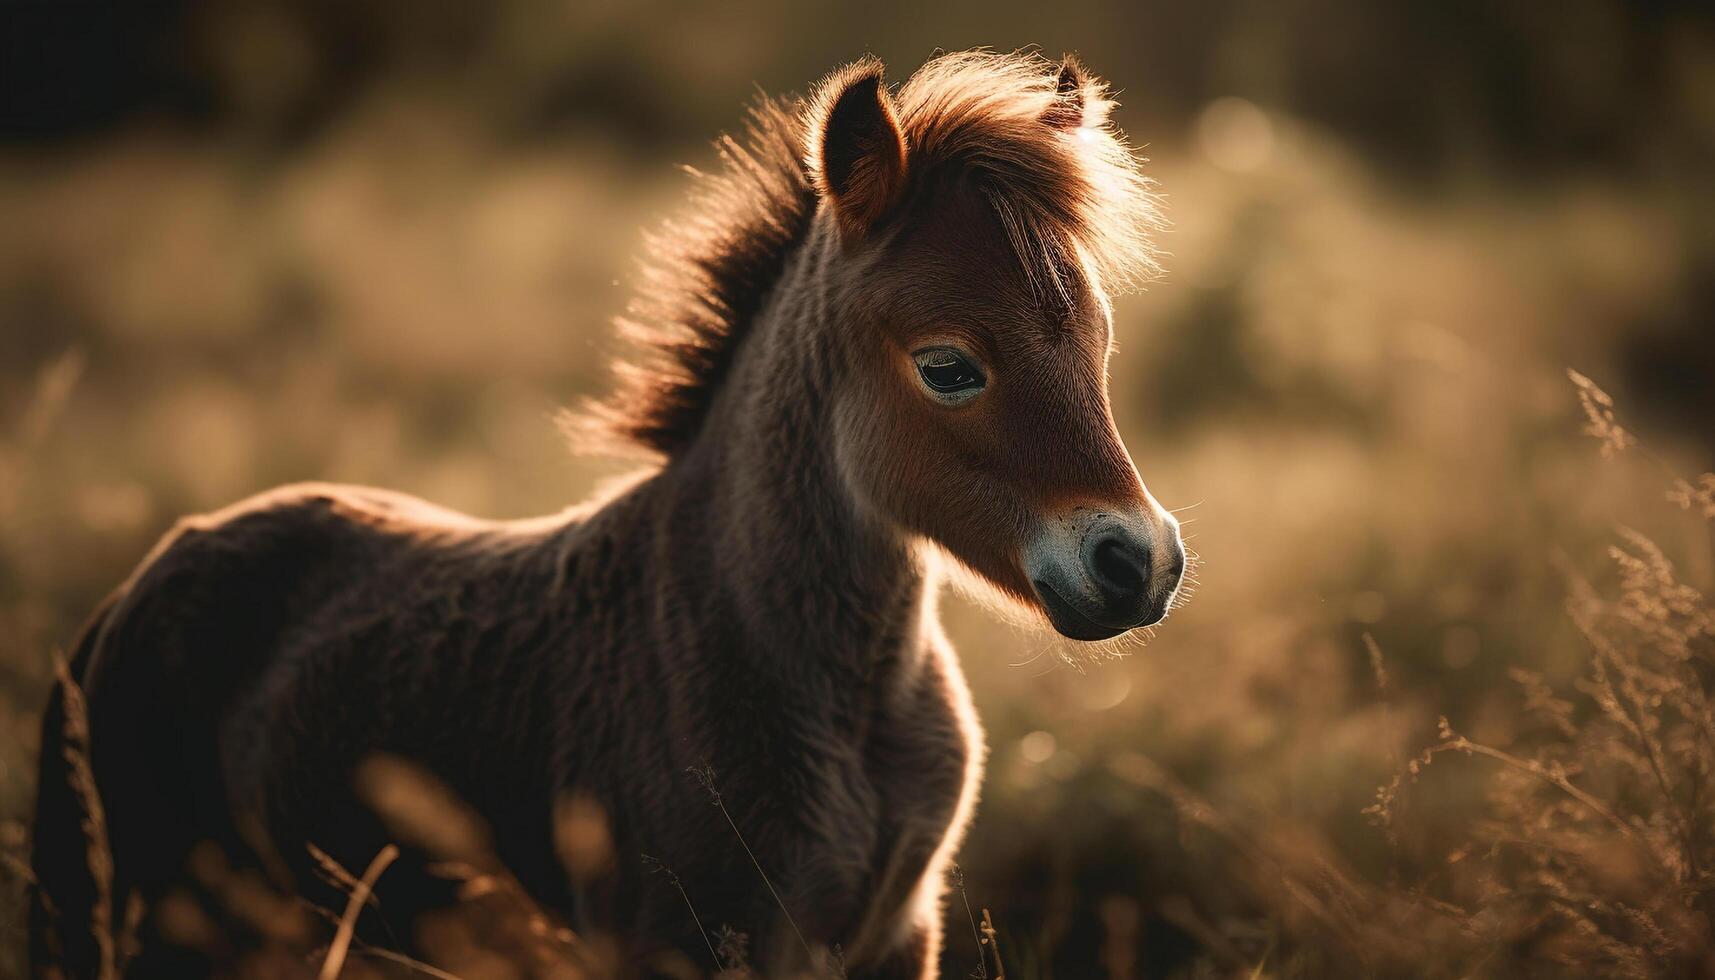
point(949, 373)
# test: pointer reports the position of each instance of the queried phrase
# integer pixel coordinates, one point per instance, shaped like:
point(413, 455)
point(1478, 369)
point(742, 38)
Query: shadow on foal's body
point(899, 343)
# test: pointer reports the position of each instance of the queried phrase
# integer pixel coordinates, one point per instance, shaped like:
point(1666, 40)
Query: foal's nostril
point(1120, 568)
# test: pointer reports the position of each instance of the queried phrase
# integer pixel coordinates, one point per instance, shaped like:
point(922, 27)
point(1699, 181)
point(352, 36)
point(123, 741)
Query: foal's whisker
point(1032, 659)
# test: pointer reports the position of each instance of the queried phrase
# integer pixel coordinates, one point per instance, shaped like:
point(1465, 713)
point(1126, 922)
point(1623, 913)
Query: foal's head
point(971, 226)
point(959, 239)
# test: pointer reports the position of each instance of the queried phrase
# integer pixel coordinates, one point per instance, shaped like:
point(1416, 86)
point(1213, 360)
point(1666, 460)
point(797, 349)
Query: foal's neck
point(816, 576)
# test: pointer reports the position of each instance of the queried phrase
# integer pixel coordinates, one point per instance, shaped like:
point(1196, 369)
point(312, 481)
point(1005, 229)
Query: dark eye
point(948, 373)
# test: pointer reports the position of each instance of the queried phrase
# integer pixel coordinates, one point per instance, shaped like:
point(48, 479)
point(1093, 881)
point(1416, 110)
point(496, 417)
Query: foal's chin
point(1019, 606)
point(1074, 625)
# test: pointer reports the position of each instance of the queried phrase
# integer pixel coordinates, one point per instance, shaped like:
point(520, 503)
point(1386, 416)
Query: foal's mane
point(1034, 135)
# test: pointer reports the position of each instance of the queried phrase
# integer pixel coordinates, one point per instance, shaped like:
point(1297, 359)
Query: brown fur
point(761, 604)
point(1066, 185)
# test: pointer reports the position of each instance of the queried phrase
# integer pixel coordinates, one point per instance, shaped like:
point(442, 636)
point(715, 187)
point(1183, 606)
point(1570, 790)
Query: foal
point(880, 337)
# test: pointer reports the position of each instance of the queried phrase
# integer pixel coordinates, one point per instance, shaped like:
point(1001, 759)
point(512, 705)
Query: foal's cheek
point(947, 474)
point(890, 444)
point(985, 506)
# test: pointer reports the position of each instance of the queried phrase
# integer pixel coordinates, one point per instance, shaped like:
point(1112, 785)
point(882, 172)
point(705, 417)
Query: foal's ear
point(856, 151)
point(1073, 95)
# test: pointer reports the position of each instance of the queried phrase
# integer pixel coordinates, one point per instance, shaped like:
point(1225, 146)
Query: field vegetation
point(1431, 380)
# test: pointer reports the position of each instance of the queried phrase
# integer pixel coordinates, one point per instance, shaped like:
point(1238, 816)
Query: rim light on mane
point(1069, 193)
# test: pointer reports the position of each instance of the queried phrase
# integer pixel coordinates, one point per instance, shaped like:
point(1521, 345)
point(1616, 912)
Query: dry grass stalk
point(513, 924)
point(336, 875)
point(956, 876)
point(1122, 920)
point(98, 854)
point(733, 948)
point(53, 390)
point(706, 776)
point(354, 887)
point(1599, 412)
point(582, 839)
point(991, 941)
point(1699, 496)
point(359, 896)
point(425, 813)
point(416, 966)
point(54, 385)
point(658, 866)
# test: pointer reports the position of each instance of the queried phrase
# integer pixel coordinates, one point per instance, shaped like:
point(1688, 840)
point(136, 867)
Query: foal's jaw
point(1099, 572)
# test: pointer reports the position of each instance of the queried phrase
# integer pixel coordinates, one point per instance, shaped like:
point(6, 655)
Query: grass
point(657, 866)
point(98, 855)
point(826, 961)
point(361, 890)
point(1398, 523)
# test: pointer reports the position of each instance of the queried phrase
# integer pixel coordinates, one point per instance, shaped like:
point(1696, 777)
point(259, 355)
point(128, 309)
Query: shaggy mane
point(1035, 134)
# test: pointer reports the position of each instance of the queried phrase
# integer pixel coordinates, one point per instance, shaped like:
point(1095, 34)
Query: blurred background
point(244, 243)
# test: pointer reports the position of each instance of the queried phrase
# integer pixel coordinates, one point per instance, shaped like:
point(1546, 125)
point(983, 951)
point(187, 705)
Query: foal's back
point(260, 654)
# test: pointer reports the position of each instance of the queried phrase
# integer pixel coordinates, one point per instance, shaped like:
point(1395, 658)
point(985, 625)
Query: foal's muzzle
point(1099, 573)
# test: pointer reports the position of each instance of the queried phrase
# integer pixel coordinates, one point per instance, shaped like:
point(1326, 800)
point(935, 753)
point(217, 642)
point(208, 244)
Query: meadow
point(1441, 434)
